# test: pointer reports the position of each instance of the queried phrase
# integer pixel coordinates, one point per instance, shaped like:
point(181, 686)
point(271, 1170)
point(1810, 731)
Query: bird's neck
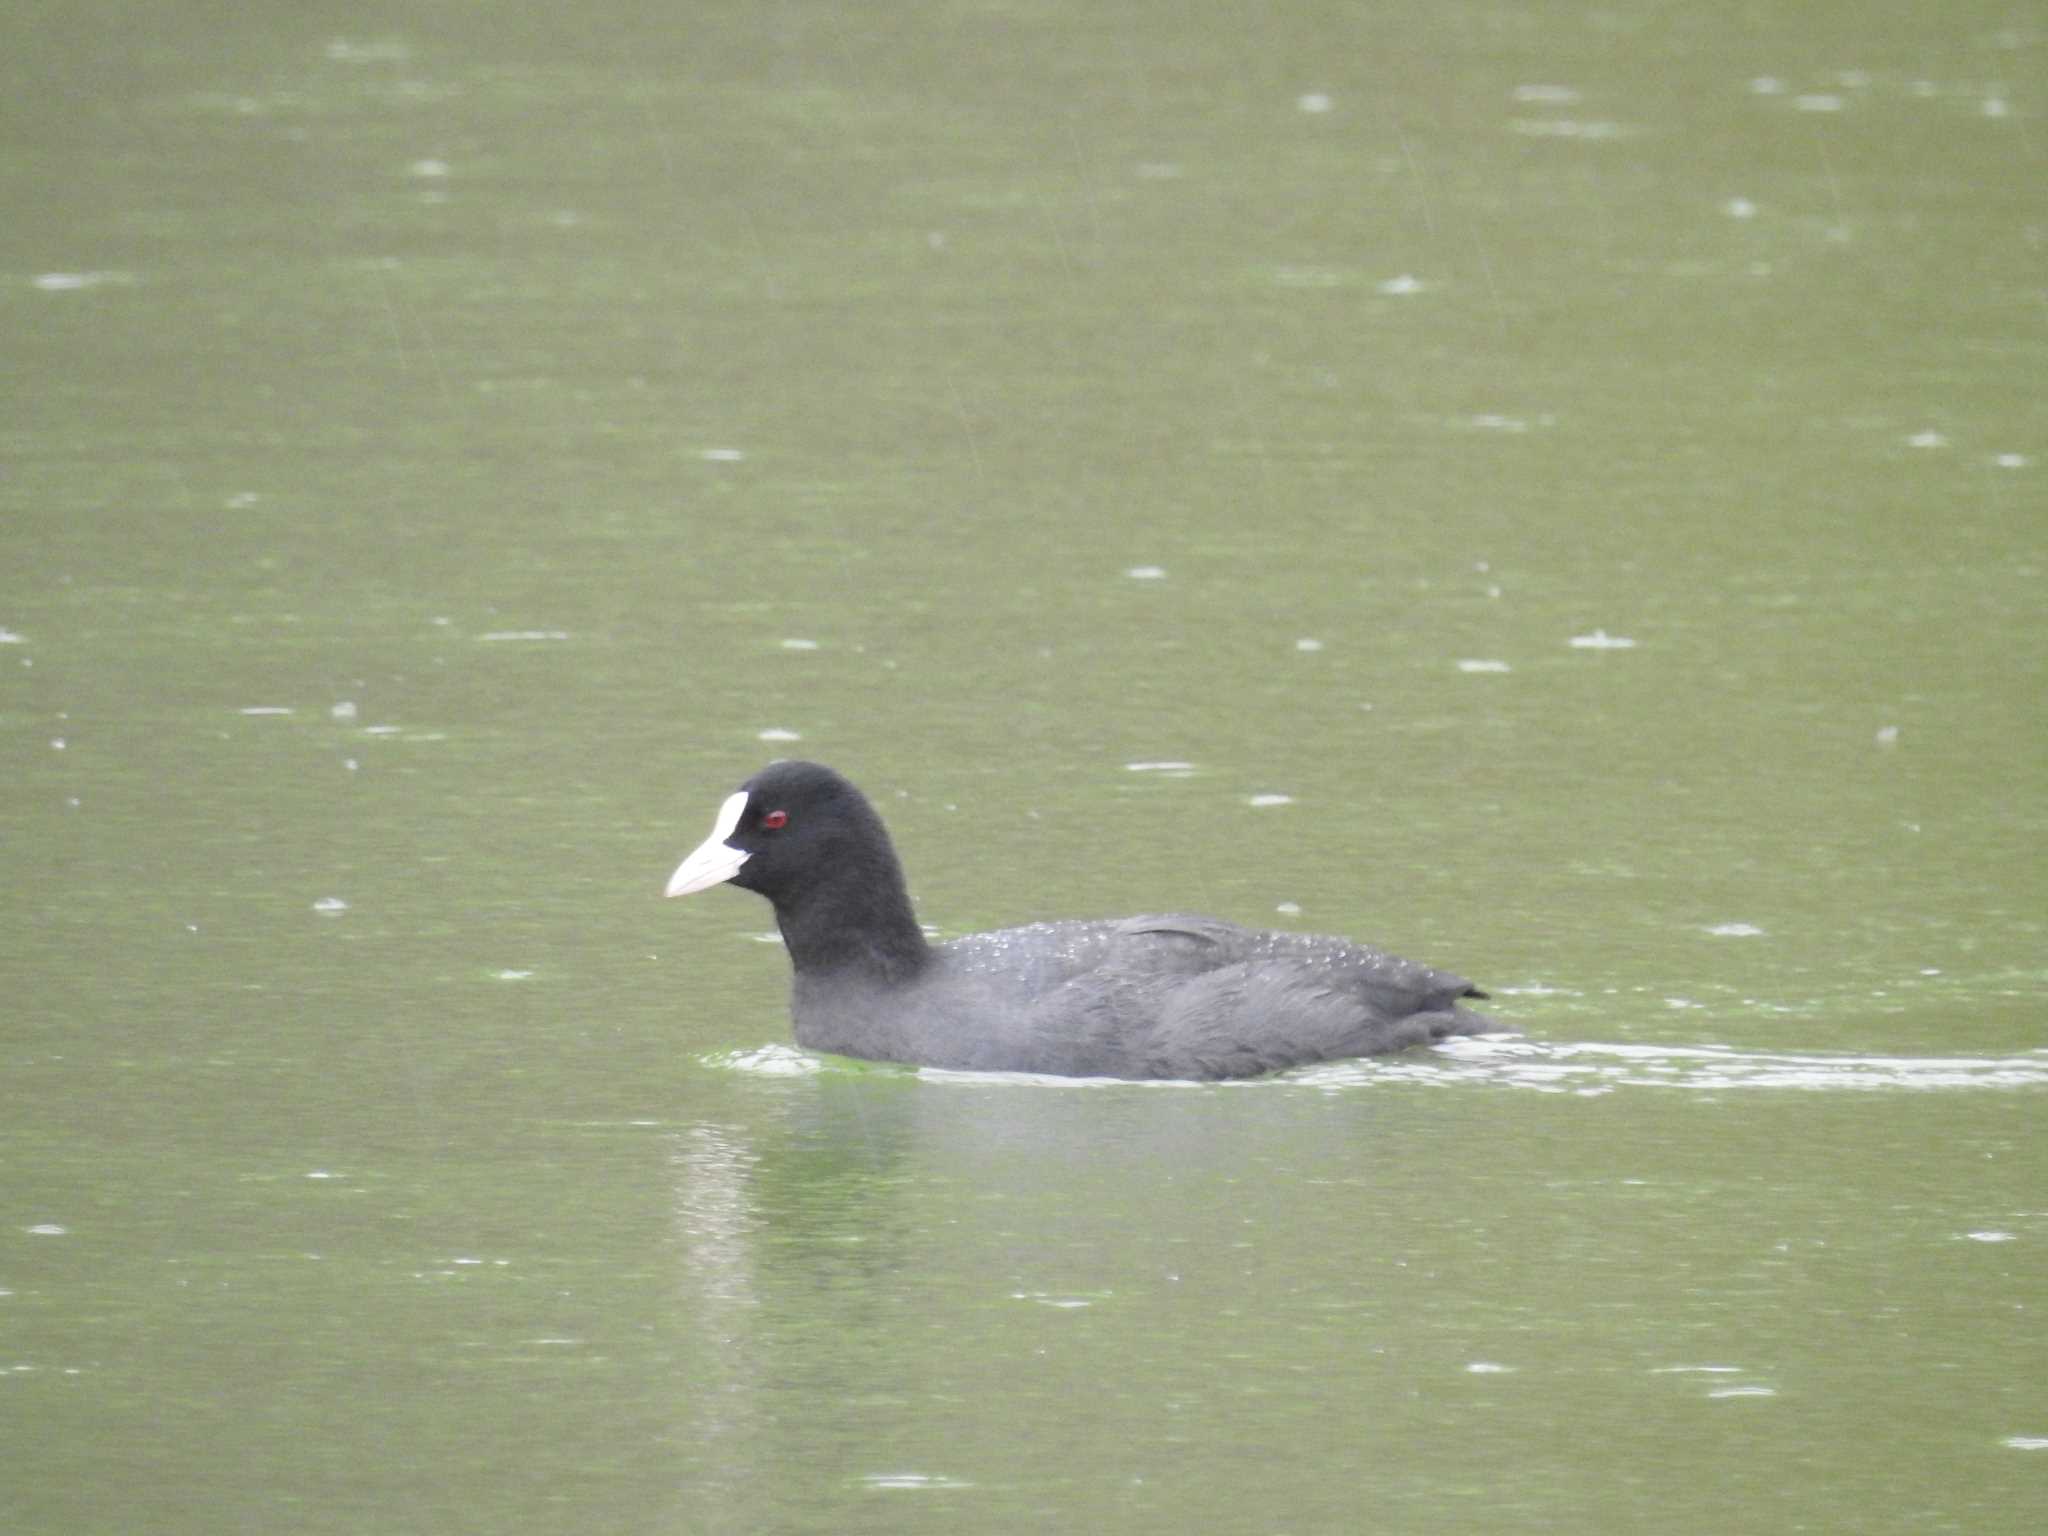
point(863, 925)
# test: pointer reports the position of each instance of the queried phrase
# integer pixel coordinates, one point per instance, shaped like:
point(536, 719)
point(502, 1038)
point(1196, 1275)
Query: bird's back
point(1172, 996)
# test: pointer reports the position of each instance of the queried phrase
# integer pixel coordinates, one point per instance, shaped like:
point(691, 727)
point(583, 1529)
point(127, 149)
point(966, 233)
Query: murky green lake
point(1556, 491)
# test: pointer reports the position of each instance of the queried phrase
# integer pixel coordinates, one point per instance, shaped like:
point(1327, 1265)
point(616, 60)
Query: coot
point(1144, 997)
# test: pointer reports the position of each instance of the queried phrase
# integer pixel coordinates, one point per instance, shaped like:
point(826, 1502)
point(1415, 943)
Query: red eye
point(775, 821)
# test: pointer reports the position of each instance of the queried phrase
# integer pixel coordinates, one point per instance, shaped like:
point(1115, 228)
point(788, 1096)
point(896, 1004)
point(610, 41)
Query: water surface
point(1554, 492)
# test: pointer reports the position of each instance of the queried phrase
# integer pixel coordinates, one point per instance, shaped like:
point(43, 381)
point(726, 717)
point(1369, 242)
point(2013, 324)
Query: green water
point(427, 429)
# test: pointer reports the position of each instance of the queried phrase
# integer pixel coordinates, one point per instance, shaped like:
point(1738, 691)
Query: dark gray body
point(1146, 997)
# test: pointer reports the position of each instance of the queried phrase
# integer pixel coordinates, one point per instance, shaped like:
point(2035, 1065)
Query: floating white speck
point(1289, 909)
point(345, 710)
point(330, 906)
point(265, 709)
point(1600, 640)
point(512, 975)
point(1743, 1392)
point(382, 730)
point(525, 634)
point(912, 1480)
point(1483, 664)
point(2025, 1442)
point(390, 51)
point(1306, 644)
point(1147, 573)
point(58, 743)
point(1995, 106)
point(74, 282)
point(1488, 1368)
point(241, 501)
point(1492, 422)
point(1169, 766)
point(1313, 102)
point(1400, 287)
point(2003, 461)
point(1888, 736)
point(722, 455)
point(1736, 931)
point(1818, 101)
point(1991, 1237)
point(47, 1229)
point(1265, 800)
point(1547, 95)
point(799, 645)
point(1739, 208)
point(1047, 1299)
point(1767, 85)
point(428, 170)
point(1565, 128)
point(320, 1173)
point(777, 733)
point(1927, 440)
point(9, 637)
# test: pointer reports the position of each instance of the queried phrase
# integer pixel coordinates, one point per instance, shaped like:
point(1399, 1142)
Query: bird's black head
point(806, 839)
point(791, 826)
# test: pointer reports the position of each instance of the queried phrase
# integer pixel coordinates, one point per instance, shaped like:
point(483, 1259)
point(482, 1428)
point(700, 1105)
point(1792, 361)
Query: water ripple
point(1587, 1068)
point(1511, 1061)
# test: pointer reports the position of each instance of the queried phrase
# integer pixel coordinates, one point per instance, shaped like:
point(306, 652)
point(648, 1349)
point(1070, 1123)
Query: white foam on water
point(1586, 1067)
